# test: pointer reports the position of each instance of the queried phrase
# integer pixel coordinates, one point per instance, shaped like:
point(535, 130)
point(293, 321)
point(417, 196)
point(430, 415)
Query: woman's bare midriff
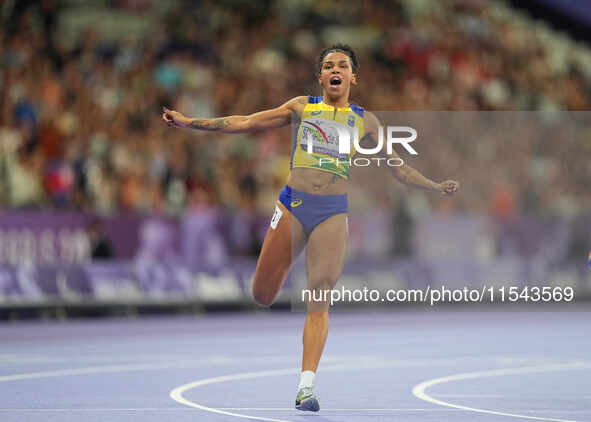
point(317, 182)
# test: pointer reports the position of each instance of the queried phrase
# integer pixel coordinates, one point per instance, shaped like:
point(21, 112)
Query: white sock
point(306, 379)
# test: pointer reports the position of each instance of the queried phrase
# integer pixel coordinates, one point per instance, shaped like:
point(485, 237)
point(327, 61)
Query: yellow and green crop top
point(320, 125)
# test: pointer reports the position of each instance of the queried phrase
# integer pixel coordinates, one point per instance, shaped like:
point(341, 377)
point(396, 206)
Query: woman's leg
point(283, 243)
point(325, 257)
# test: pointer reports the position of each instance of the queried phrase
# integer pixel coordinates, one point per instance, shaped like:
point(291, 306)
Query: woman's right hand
point(174, 118)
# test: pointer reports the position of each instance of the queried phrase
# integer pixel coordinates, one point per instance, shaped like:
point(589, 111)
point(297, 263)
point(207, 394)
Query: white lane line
point(343, 362)
point(187, 409)
point(419, 389)
point(400, 409)
point(261, 409)
point(101, 370)
point(123, 409)
point(219, 360)
point(508, 396)
point(154, 366)
point(484, 396)
point(289, 409)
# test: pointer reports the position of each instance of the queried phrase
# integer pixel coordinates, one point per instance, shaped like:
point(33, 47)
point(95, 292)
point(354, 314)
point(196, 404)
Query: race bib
point(276, 217)
point(322, 136)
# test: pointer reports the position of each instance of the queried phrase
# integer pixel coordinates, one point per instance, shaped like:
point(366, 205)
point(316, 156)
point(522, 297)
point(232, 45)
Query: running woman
point(312, 207)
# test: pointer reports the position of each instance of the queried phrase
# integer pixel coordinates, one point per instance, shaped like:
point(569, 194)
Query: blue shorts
point(311, 209)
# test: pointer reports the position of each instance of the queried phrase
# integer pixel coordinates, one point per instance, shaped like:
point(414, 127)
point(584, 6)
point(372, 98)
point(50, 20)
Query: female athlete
point(312, 207)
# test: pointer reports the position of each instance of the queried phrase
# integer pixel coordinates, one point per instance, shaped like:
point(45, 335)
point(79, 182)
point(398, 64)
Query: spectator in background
point(100, 245)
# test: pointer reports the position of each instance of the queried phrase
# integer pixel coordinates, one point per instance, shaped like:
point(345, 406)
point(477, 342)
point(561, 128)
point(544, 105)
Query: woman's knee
point(262, 296)
point(319, 297)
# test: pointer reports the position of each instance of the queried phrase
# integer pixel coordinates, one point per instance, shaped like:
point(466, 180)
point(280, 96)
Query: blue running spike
point(307, 401)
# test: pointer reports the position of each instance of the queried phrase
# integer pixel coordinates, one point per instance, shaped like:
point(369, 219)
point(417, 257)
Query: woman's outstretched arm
point(267, 119)
point(404, 173)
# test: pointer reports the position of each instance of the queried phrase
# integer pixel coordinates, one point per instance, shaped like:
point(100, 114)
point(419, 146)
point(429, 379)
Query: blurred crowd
point(80, 125)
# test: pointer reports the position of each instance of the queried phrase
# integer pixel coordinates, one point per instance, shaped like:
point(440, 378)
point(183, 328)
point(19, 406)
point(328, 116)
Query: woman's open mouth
point(335, 81)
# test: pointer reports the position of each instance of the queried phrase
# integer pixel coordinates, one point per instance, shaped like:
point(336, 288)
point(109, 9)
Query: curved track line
point(177, 393)
point(419, 389)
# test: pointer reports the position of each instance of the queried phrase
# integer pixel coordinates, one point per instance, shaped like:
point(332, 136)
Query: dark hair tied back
point(343, 48)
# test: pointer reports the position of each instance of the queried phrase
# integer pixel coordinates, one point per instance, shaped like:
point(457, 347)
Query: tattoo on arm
point(210, 124)
point(303, 100)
